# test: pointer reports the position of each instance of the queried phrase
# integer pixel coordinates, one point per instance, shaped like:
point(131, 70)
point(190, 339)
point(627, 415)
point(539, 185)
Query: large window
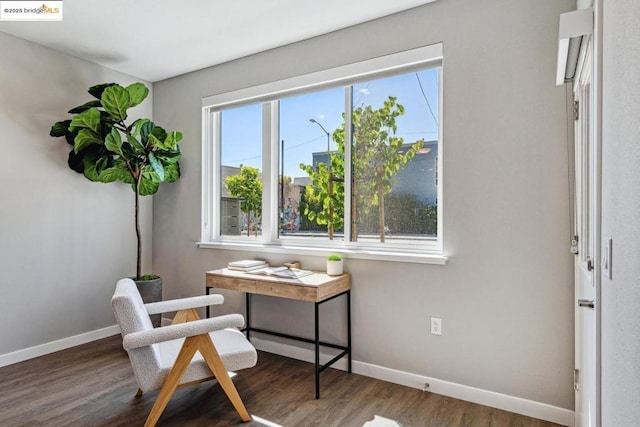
point(347, 159)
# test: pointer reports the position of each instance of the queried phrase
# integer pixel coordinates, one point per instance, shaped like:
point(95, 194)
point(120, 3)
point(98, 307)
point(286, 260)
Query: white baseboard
point(505, 402)
point(53, 346)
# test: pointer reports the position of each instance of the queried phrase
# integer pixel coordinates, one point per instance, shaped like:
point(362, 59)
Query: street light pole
point(330, 178)
point(328, 141)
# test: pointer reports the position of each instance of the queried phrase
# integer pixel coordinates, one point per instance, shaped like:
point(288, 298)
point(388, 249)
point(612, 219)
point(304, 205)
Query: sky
point(242, 127)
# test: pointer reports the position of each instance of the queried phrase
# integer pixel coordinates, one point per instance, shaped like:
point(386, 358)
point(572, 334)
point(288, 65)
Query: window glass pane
point(394, 158)
point(310, 204)
point(241, 176)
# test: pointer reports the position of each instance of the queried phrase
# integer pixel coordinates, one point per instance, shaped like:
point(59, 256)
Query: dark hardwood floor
point(93, 385)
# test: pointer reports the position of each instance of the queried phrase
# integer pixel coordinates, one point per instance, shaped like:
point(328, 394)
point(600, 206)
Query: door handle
point(589, 303)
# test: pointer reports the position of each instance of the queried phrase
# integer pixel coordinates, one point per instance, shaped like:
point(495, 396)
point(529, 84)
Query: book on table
point(247, 265)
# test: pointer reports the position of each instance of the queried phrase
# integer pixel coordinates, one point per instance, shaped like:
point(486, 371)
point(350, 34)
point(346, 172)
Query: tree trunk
point(354, 211)
point(331, 219)
point(380, 191)
point(138, 234)
point(381, 210)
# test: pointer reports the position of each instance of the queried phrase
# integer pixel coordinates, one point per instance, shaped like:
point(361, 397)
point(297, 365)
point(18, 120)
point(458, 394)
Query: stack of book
point(247, 265)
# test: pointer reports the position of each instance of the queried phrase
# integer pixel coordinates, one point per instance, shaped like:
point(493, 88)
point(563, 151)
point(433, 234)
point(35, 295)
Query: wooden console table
point(317, 288)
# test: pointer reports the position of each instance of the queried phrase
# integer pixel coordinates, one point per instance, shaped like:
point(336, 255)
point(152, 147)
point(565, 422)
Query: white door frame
point(594, 75)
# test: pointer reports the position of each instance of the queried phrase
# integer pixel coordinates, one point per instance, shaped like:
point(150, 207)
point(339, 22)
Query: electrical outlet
point(436, 326)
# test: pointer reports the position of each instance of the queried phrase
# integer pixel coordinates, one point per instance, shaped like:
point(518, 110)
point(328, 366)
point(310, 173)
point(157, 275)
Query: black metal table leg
point(248, 298)
point(206, 292)
point(317, 345)
point(349, 327)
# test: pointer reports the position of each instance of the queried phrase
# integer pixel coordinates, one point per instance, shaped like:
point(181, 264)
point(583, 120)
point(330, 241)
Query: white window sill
point(353, 253)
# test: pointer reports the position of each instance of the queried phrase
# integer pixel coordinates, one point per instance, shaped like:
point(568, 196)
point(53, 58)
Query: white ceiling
point(158, 39)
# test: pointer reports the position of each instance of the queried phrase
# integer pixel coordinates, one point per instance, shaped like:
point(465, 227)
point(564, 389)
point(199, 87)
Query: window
point(304, 151)
point(347, 159)
point(240, 178)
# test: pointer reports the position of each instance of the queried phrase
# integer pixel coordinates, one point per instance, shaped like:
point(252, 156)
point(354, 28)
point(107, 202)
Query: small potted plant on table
point(334, 265)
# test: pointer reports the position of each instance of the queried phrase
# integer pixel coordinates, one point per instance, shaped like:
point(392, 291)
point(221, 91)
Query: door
point(586, 266)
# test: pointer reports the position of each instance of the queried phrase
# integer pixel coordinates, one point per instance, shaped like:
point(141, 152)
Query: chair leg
point(171, 382)
point(211, 356)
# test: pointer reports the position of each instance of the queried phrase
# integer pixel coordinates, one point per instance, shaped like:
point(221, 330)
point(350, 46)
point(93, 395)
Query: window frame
point(268, 95)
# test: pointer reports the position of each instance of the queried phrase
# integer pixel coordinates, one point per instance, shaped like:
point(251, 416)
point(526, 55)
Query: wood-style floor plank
point(93, 385)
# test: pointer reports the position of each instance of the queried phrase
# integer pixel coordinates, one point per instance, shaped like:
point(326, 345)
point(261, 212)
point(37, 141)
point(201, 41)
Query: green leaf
point(171, 172)
point(159, 133)
point(149, 173)
point(60, 128)
point(90, 168)
point(168, 156)
point(118, 172)
point(85, 107)
point(101, 164)
point(85, 138)
point(70, 136)
point(96, 91)
point(172, 140)
point(137, 93)
point(89, 119)
point(137, 125)
point(113, 142)
point(75, 162)
point(155, 142)
point(145, 131)
point(108, 175)
point(157, 166)
point(115, 100)
point(147, 186)
point(135, 144)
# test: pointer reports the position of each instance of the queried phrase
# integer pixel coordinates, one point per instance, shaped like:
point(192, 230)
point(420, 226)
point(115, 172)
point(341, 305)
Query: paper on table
point(284, 272)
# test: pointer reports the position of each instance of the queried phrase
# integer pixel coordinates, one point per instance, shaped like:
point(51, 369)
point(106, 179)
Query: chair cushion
point(235, 351)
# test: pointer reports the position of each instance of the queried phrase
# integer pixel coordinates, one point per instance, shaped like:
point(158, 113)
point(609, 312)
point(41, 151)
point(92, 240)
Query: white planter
point(334, 268)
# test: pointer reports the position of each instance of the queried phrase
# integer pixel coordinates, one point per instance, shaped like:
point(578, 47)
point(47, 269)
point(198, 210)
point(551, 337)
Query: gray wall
point(64, 240)
point(620, 212)
point(506, 294)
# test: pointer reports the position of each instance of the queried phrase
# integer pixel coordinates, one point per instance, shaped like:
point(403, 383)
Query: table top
point(315, 287)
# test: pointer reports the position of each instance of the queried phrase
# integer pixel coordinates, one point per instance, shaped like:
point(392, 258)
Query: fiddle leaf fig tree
point(107, 147)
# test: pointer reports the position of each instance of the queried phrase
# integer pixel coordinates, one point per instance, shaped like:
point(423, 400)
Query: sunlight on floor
point(379, 421)
point(264, 422)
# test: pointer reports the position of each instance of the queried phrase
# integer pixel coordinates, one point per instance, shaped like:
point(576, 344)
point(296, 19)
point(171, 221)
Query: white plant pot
point(334, 268)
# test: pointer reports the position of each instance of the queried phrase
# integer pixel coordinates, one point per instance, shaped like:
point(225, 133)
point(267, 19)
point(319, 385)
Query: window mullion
point(270, 134)
point(348, 107)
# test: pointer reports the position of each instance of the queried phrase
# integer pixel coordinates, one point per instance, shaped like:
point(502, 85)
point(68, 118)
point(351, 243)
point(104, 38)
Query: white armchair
point(189, 351)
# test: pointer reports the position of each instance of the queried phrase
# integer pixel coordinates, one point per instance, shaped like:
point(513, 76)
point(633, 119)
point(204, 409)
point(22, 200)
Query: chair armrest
point(181, 330)
point(183, 303)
